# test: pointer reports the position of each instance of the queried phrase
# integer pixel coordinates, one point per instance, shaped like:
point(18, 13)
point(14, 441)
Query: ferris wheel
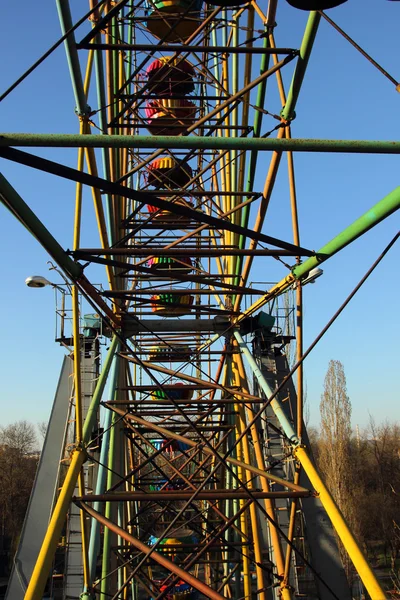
point(184, 469)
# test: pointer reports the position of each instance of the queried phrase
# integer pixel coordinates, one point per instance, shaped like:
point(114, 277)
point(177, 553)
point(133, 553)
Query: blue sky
point(343, 97)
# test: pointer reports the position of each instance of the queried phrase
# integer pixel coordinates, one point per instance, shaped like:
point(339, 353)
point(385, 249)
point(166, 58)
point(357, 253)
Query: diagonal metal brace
point(54, 168)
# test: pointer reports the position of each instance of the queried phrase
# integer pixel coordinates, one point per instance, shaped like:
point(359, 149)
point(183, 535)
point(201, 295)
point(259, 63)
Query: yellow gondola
point(165, 19)
point(171, 305)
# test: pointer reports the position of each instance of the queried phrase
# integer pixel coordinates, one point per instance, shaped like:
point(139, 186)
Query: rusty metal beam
point(175, 436)
point(186, 48)
point(159, 558)
point(185, 377)
point(172, 496)
point(85, 253)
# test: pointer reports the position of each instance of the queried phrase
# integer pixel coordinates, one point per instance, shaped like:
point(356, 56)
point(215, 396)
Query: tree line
point(19, 457)
point(362, 471)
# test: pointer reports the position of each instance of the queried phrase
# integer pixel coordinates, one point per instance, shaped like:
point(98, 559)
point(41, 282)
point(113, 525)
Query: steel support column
point(165, 562)
point(364, 570)
point(42, 567)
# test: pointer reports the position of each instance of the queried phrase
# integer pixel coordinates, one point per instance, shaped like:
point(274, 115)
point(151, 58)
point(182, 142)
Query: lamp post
point(38, 281)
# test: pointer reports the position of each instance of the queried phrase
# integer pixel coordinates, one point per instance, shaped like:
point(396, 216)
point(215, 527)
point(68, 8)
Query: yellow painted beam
point(342, 529)
point(44, 561)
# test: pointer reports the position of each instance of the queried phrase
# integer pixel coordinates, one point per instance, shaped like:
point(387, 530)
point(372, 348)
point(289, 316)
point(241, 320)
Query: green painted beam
point(384, 208)
point(257, 123)
point(91, 415)
point(66, 140)
point(64, 15)
point(301, 65)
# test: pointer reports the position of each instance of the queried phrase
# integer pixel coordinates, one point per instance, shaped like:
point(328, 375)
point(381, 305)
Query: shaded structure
point(185, 467)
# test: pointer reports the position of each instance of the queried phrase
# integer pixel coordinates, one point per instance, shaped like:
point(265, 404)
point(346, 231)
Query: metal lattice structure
point(186, 467)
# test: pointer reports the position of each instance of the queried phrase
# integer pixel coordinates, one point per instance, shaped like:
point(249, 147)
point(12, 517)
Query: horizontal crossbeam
point(173, 496)
point(141, 197)
point(190, 48)
point(171, 142)
point(85, 253)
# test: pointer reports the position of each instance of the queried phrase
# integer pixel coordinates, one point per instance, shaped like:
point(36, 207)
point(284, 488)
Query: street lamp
point(312, 276)
point(38, 281)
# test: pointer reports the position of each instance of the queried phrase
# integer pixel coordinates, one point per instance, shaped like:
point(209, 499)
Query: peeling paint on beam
point(55, 140)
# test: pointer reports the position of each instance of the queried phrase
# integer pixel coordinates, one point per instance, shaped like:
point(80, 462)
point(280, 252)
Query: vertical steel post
point(64, 14)
point(275, 404)
point(342, 529)
point(101, 475)
point(265, 486)
point(301, 66)
point(98, 392)
point(41, 571)
point(42, 567)
point(338, 521)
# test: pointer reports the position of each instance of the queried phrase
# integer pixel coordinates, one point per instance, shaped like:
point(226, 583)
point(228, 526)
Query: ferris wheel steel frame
point(229, 231)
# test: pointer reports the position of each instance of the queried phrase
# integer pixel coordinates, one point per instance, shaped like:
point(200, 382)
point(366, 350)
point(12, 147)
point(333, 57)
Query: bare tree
point(371, 500)
point(384, 455)
point(335, 444)
point(17, 472)
point(42, 429)
point(19, 436)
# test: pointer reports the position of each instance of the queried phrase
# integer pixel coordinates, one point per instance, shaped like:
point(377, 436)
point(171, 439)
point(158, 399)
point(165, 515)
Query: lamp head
point(37, 281)
point(312, 275)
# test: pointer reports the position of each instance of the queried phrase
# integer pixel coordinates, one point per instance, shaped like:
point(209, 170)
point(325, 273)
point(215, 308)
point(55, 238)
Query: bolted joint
point(227, 335)
point(298, 447)
point(287, 120)
point(229, 344)
point(85, 113)
point(78, 447)
point(285, 591)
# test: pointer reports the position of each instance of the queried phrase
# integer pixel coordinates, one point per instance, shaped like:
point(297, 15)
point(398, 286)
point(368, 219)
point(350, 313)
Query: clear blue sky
point(343, 97)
